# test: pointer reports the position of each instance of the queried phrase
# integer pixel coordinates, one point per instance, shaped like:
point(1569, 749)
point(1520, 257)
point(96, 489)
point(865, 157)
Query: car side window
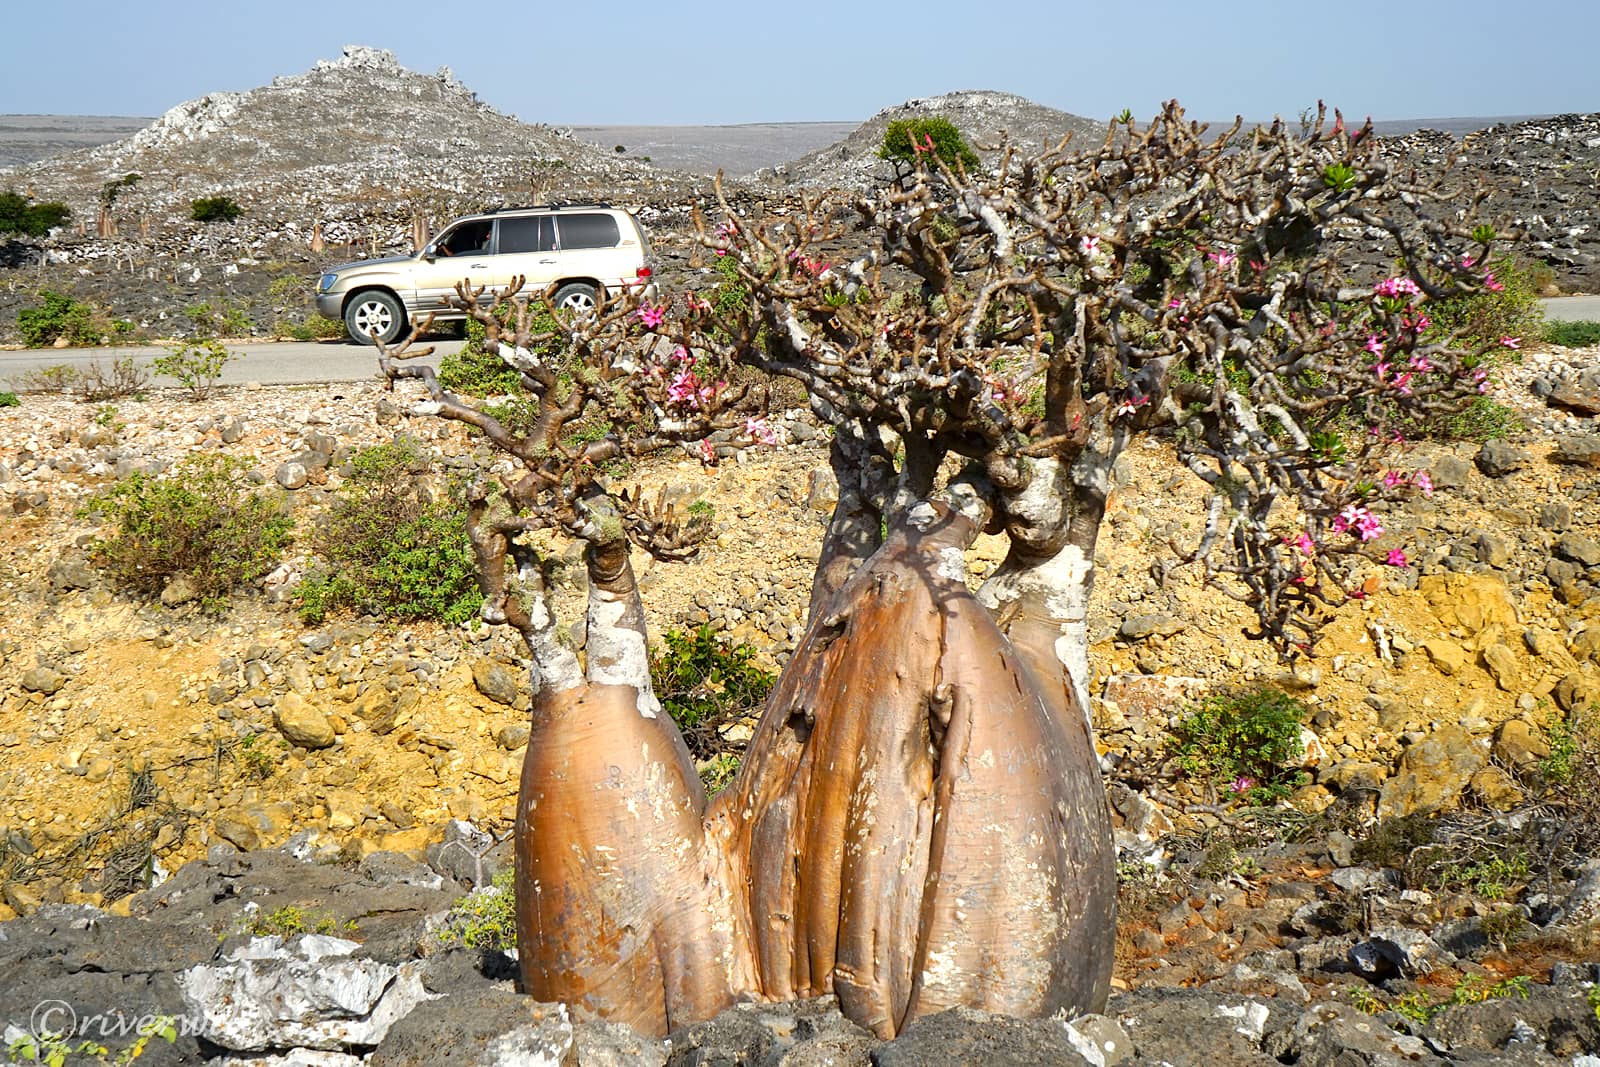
point(527, 233)
point(588, 231)
point(468, 239)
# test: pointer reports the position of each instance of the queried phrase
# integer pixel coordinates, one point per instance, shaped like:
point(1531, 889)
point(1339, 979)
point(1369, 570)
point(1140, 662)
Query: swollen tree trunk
point(616, 914)
point(920, 823)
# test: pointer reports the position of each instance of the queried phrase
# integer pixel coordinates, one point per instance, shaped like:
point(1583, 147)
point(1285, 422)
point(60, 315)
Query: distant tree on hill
point(214, 209)
point(17, 215)
point(908, 140)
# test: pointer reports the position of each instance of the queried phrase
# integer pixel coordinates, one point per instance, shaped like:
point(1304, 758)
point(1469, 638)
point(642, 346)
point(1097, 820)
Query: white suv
point(585, 250)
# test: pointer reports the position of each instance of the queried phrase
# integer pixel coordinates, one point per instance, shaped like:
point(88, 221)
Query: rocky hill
point(354, 144)
point(982, 115)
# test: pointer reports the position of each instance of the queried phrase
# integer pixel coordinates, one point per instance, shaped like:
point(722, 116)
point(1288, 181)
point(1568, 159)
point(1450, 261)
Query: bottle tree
point(919, 821)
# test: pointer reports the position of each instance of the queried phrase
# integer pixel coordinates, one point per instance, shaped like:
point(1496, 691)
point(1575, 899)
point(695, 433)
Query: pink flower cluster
point(1089, 244)
point(814, 267)
point(1363, 522)
point(1395, 479)
point(1396, 287)
point(687, 390)
point(758, 429)
point(1222, 258)
point(651, 315)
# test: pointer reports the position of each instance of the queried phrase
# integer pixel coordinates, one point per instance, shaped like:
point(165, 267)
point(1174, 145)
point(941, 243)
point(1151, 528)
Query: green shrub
point(1484, 318)
point(477, 373)
point(56, 378)
point(904, 136)
point(1243, 744)
point(196, 365)
point(230, 320)
point(315, 328)
point(9, 400)
point(708, 684)
point(1572, 334)
point(485, 918)
point(58, 315)
point(201, 523)
point(32, 220)
point(1483, 420)
point(390, 548)
point(214, 209)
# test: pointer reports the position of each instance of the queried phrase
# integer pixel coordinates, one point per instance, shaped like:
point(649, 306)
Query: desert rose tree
point(919, 822)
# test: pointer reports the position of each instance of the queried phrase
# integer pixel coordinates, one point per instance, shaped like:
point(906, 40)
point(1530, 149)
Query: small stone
point(291, 475)
point(1498, 459)
point(1519, 744)
point(495, 682)
point(1446, 656)
point(1451, 472)
point(237, 832)
point(1579, 549)
point(1502, 665)
point(41, 679)
point(181, 590)
point(512, 736)
point(1142, 626)
point(1580, 451)
point(301, 723)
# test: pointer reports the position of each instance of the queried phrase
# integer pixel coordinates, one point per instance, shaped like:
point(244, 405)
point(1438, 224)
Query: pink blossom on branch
point(651, 315)
point(758, 429)
point(1396, 558)
point(1397, 287)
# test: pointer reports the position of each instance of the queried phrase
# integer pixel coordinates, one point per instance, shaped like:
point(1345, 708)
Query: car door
point(587, 243)
point(527, 248)
point(463, 252)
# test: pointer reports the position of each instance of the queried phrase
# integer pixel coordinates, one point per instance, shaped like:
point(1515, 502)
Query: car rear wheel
point(374, 312)
point(578, 297)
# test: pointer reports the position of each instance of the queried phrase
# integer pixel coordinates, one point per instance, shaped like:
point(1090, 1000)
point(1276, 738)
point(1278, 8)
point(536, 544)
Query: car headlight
point(326, 282)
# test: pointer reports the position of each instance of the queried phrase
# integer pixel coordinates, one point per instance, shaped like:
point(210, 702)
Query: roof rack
point(544, 207)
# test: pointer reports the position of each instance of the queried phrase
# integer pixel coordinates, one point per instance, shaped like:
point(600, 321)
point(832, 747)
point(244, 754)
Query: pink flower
point(1490, 284)
point(1510, 342)
point(1257, 266)
point(1396, 558)
point(759, 429)
point(1420, 364)
point(1403, 384)
point(1381, 369)
point(1374, 344)
point(679, 354)
point(1467, 261)
point(1392, 479)
point(1222, 258)
point(651, 316)
point(696, 303)
point(1423, 482)
point(1397, 287)
point(1174, 303)
point(1130, 405)
point(1242, 784)
point(684, 388)
point(708, 452)
point(1303, 542)
point(1088, 244)
point(1369, 527)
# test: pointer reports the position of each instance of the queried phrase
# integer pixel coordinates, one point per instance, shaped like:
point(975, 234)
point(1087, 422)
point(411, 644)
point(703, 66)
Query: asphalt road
point(1573, 308)
point(295, 362)
point(268, 363)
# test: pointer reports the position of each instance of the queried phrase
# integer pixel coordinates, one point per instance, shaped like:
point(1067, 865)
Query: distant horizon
point(727, 63)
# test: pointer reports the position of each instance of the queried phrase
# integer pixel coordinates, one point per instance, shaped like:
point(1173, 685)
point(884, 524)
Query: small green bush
point(96, 383)
point(58, 315)
point(315, 328)
point(707, 684)
point(477, 373)
point(196, 365)
point(485, 918)
point(1484, 318)
point(17, 215)
point(228, 319)
point(1243, 744)
point(1483, 420)
point(214, 209)
point(390, 548)
point(201, 523)
point(9, 400)
point(1572, 334)
point(904, 136)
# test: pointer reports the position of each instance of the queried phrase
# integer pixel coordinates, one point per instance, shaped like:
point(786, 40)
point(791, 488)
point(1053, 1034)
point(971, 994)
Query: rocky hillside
point(982, 115)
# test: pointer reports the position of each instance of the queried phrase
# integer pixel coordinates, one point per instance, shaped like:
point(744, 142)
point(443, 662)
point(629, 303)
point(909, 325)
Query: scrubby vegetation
point(1572, 334)
point(390, 546)
point(709, 684)
point(18, 215)
point(1242, 745)
point(58, 316)
point(906, 139)
point(202, 524)
point(214, 209)
point(196, 365)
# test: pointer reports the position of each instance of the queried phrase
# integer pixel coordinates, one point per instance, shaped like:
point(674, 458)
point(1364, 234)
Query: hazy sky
point(621, 61)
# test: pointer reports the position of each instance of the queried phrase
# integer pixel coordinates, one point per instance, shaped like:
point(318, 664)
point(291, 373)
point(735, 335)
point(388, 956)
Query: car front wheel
point(578, 297)
point(374, 312)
